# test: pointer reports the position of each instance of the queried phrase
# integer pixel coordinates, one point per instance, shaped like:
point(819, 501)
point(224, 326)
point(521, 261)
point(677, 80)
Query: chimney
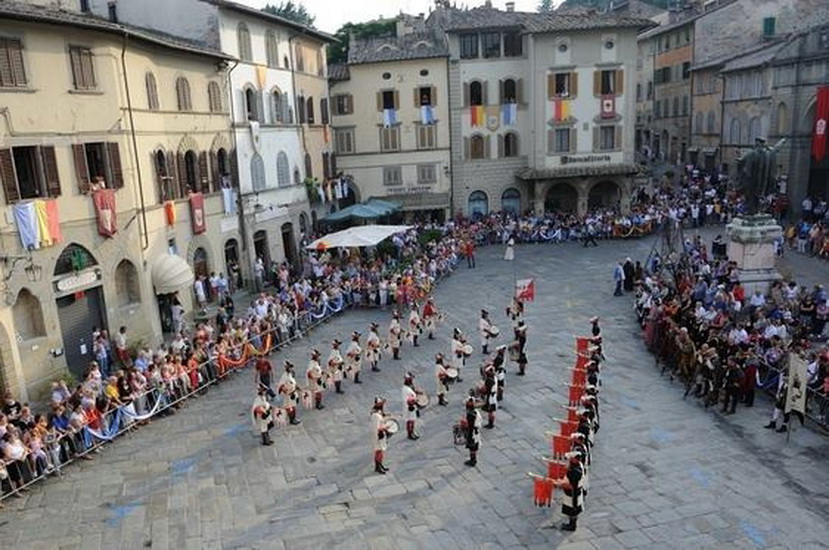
point(510, 6)
point(112, 10)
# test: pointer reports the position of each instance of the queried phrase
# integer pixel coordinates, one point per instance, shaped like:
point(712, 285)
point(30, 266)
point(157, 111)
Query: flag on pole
point(525, 290)
point(798, 376)
point(543, 492)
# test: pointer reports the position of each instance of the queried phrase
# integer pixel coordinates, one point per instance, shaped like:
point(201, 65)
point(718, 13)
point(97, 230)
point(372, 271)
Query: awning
point(363, 235)
point(370, 210)
point(576, 171)
point(171, 274)
point(419, 201)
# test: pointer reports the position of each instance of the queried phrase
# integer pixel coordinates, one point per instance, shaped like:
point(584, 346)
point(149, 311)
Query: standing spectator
point(469, 251)
point(201, 293)
point(259, 274)
point(99, 351)
point(177, 313)
point(618, 278)
point(121, 350)
point(213, 286)
point(628, 270)
point(806, 206)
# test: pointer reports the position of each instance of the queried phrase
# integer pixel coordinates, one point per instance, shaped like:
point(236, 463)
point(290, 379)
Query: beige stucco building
point(88, 98)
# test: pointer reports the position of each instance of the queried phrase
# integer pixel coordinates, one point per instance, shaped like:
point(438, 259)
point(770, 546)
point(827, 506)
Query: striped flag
point(509, 112)
point(561, 109)
point(477, 115)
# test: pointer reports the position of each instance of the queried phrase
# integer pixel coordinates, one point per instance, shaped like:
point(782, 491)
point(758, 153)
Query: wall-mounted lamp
point(34, 272)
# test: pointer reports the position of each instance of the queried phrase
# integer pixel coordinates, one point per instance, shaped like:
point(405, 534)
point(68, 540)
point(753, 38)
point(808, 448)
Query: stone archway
point(8, 376)
point(561, 197)
point(604, 194)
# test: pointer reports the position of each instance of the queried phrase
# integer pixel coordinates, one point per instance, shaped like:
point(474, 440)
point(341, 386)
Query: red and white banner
point(197, 213)
point(608, 106)
point(821, 118)
point(104, 201)
point(525, 290)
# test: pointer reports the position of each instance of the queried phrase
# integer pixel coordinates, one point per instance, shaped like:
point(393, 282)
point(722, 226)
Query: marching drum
point(451, 375)
point(467, 350)
point(391, 426)
point(494, 331)
point(514, 352)
point(422, 400)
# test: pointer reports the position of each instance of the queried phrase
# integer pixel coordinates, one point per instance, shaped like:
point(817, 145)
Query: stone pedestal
point(751, 246)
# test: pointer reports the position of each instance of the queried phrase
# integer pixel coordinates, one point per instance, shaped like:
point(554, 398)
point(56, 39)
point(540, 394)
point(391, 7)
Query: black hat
point(408, 376)
point(336, 343)
point(289, 365)
point(379, 402)
point(484, 313)
point(355, 335)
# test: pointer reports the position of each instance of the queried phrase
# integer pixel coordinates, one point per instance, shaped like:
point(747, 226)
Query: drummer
point(394, 335)
point(442, 380)
point(288, 390)
point(430, 313)
point(472, 423)
point(415, 327)
point(379, 434)
point(410, 405)
point(354, 358)
point(521, 341)
point(485, 330)
point(373, 347)
point(500, 370)
point(335, 365)
point(316, 380)
point(490, 395)
point(515, 311)
point(261, 415)
point(458, 351)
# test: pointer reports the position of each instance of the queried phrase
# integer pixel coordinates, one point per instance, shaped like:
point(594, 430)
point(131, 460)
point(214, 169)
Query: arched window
point(300, 108)
point(476, 93)
point(191, 178)
point(309, 168)
point(214, 97)
point(127, 288)
point(303, 224)
point(754, 129)
point(271, 49)
point(277, 107)
point(28, 316)
point(698, 123)
point(152, 92)
point(166, 184)
point(309, 105)
point(712, 122)
point(300, 62)
point(782, 118)
point(510, 91)
point(511, 201)
point(257, 172)
point(476, 147)
point(72, 259)
point(478, 204)
point(286, 63)
point(200, 265)
point(283, 170)
point(297, 177)
point(251, 112)
point(511, 144)
point(736, 138)
point(326, 173)
point(243, 35)
point(222, 165)
point(183, 94)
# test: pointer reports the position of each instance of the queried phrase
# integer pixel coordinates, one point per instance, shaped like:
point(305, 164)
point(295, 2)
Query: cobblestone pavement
point(666, 474)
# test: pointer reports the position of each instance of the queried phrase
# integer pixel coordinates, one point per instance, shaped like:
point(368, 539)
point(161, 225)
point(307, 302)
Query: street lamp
point(33, 271)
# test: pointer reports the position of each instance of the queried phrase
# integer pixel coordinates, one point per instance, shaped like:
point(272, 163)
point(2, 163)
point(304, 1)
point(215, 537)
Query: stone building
point(124, 136)
point(542, 108)
point(391, 119)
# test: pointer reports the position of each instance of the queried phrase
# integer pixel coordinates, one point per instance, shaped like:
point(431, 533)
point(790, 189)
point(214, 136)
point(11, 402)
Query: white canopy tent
point(359, 236)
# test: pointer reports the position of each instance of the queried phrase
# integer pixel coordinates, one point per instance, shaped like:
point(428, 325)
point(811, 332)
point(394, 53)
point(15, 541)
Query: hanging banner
point(608, 106)
point(170, 213)
point(821, 117)
point(798, 376)
point(561, 110)
point(525, 290)
point(104, 201)
point(197, 213)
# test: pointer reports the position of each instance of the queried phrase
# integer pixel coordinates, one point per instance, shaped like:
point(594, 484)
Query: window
point(698, 122)
point(509, 91)
point(513, 44)
point(98, 160)
point(477, 204)
point(300, 102)
point(344, 141)
point(676, 106)
point(183, 94)
point(650, 89)
point(29, 173)
point(163, 174)
point(190, 176)
point(251, 104)
point(736, 132)
point(560, 140)
point(476, 93)
point(152, 92)
point(511, 200)
point(324, 110)
point(426, 136)
point(685, 105)
point(510, 145)
point(214, 97)
point(28, 316)
point(309, 105)
point(608, 82)
point(657, 109)
point(127, 286)
point(271, 49)
point(243, 36)
point(343, 104)
point(638, 91)
point(283, 170)
point(469, 46)
point(477, 149)
point(277, 106)
point(392, 175)
point(326, 166)
point(257, 172)
point(388, 97)
point(782, 118)
point(390, 138)
point(83, 68)
point(491, 45)
point(754, 129)
point(562, 85)
point(12, 70)
point(686, 70)
point(607, 138)
point(424, 96)
point(711, 122)
point(426, 173)
point(300, 61)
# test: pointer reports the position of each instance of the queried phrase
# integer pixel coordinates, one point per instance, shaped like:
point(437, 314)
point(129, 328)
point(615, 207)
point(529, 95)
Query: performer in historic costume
point(373, 347)
point(336, 365)
point(410, 405)
point(264, 374)
point(379, 434)
point(261, 415)
point(515, 311)
point(430, 314)
point(458, 345)
point(484, 327)
point(500, 371)
point(354, 358)
point(473, 422)
point(490, 395)
point(395, 335)
point(594, 326)
point(572, 504)
point(442, 377)
point(521, 341)
point(288, 390)
point(316, 380)
point(415, 327)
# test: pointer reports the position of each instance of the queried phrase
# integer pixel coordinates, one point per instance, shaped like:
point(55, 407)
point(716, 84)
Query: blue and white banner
point(389, 117)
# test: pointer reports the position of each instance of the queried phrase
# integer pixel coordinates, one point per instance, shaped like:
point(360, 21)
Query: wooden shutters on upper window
point(37, 174)
point(12, 70)
point(83, 68)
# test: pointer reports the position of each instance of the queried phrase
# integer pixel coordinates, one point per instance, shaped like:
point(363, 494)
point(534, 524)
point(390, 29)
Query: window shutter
point(574, 84)
point(172, 173)
point(466, 94)
point(484, 92)
point(9, 178)
point(500, 92)
point(380, 101)
point(519, 91)
point(551, 86)
point(467, 153)
point(159, 176)
point(349, 101)
point(181, 168)
point(50, 170)
point(597, 83)
point(18, 71)
point(234, 169)
point(617, 139)
point(202, 178)
point(81, 169)
point(214, 171)
point(416, 98)
point(434, 96)
point(487, 149)
point(117, 173)
point(260, 107)
point(551, 141)
point(396, 100)
point(500, 146)
point(574, 143)
point(620, 81)
point(596, 137)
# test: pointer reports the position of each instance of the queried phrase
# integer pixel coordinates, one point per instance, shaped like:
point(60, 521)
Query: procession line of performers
point(575, 441)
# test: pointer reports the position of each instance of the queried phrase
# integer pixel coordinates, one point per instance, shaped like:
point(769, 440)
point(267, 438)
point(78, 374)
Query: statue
point(757, 173)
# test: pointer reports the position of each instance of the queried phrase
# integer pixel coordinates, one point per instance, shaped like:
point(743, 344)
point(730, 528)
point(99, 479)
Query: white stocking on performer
point(412, 412)
point(316, 380)
point(430, 313)
point(521, 343)
point(379, 434)
point(484, 327)
point(458, 352)
point(287, 388)
point(442, 376)
point(335, 365)
point(261, 415)
point(394, 335)
point(354, 357)
point(373, 347)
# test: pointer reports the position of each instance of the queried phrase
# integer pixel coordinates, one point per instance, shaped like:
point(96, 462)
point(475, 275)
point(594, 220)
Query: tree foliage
point(288, 10)
point(545, 6)
point(338, 52)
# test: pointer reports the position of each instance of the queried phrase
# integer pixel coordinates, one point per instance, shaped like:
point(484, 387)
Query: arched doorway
point(511, 201)
point(477, 204)
point(261, 248)
point(561, 198)
point(289, 243)
point(8, 378)
point(232, 268)
point(303, 229)
point(200, 264)
point(605, 194)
